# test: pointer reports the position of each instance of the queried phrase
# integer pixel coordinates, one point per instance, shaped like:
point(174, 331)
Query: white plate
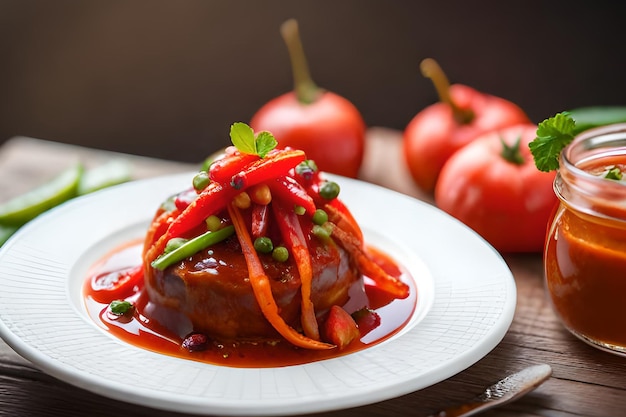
point(466, 301)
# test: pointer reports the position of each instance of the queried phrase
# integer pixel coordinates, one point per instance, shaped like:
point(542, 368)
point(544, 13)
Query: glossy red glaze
point(150, 326)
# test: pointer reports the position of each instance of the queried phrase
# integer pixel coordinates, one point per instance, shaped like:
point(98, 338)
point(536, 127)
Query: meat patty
point(212, 291)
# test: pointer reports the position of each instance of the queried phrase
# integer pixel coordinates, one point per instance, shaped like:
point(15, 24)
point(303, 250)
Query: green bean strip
point(192, 246)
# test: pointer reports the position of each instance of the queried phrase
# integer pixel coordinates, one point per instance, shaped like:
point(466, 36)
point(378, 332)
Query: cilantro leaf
point(242, 136)
point(553, 135)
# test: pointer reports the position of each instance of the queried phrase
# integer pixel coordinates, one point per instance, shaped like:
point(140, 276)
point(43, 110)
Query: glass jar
point(585, 255)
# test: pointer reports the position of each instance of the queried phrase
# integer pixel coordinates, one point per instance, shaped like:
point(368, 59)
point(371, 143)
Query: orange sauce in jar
point(586, 270)
point(585, 254)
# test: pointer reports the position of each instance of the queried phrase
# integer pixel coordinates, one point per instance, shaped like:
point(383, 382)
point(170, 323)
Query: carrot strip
point(158, 227)
point(291, 232)
point(262, 289)
point(366, 266)
point(152, 253)
point(339, 214)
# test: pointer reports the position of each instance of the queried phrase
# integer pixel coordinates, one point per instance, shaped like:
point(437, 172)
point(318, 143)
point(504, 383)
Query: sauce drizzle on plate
point(379, 317)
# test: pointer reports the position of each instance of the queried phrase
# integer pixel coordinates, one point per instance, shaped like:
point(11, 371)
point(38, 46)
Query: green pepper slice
point(31, 204)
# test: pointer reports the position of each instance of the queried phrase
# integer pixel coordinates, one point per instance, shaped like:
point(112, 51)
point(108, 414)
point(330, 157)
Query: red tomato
point(508, 204)
point(434, 134)
point(330, 130)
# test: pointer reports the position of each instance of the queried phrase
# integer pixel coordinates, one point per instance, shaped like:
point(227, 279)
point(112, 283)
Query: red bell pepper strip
point(275, 164)
point(223, 169)
point(366, 266)
point(212, 199)
point(182, 200)
point(260, 219)
point(291, 191)
point(292, 233)
point(262, 289)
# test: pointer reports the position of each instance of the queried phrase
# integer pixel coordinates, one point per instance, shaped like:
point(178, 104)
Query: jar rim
point(588, 140)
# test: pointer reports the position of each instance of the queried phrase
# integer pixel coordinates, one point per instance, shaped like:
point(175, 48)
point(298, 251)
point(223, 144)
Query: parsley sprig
point(553, 135)
point(244, 139)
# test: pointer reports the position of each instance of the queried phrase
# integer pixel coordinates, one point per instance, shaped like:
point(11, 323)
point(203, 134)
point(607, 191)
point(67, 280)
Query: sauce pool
point(384, 317)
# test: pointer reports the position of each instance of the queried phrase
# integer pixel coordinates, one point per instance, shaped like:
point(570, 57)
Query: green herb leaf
point(242, 136)
point(553, 135)
point(614, 173)
point(265, 142)
point(120, 307)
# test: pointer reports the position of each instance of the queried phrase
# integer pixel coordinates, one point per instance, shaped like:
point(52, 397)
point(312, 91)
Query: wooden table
point(585, 381)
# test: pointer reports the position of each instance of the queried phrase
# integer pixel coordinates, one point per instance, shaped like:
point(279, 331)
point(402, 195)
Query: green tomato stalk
point(511, 153)
point(431, 69)
point(305, 89)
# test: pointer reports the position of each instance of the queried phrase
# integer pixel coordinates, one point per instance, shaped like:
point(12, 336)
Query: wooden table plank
point(585, 382)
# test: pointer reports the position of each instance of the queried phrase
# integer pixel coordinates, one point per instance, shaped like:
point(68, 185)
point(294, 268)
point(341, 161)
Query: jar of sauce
point(585, 255)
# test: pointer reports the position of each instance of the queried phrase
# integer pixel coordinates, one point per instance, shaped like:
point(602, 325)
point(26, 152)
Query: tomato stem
point(431, 69)
point(305, 89)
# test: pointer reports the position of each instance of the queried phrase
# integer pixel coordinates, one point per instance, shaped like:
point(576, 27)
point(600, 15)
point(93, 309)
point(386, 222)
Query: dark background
point(167, 78)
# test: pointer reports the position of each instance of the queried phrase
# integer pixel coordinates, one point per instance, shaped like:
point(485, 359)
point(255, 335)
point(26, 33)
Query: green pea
point(299, 210)
point(329, 190)
point(263, 244)
point(213, 223)
point(321, 232)
point(280, 254)
point(174, 243)
point(306, 169)
point(120, 307)
point(201, 180)
point(320, 217)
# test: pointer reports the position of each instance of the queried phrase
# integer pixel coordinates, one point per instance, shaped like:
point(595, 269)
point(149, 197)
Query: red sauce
point(138, 330)
point(585, 264)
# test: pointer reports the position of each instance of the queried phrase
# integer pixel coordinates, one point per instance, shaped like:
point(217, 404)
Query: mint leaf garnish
point(242, 136)
point(265, 142)
point(553, 135)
